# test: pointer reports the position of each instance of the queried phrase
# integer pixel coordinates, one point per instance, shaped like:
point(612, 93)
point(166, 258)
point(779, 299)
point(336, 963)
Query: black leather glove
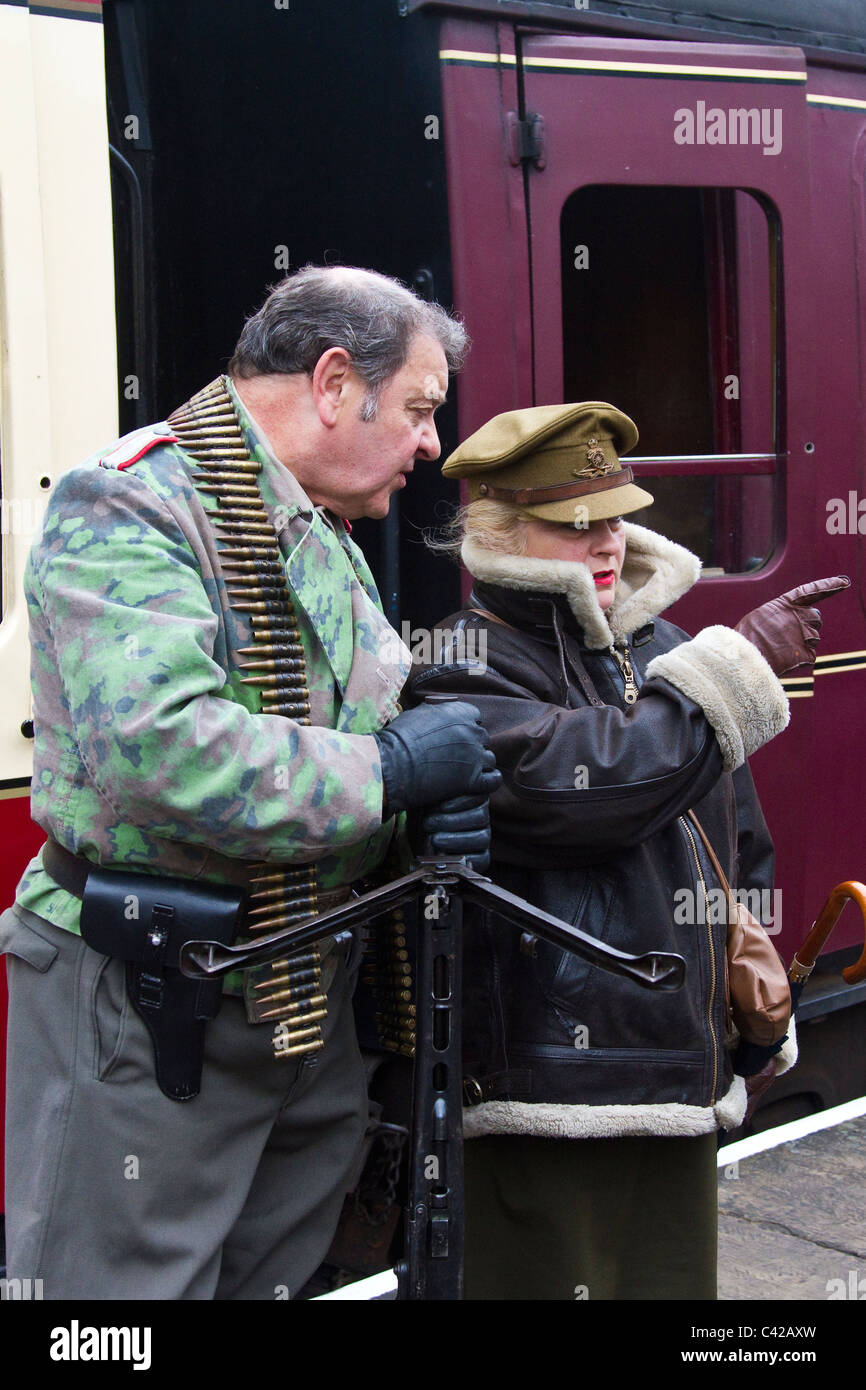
point(460, 829)
point(433, 753)
point(786, 630)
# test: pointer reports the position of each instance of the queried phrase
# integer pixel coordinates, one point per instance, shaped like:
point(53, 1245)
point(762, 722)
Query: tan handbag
point(758, 990)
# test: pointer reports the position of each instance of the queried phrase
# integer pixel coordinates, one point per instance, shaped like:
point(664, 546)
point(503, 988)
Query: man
point(212, 679)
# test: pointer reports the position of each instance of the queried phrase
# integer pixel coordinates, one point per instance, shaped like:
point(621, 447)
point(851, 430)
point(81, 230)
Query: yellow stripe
point(840, 670)
point(853, 102)
point(836, 656)
point(462, 55)
point(800, 694)
point(796, 680)
point(596, 65)
point(6, 793)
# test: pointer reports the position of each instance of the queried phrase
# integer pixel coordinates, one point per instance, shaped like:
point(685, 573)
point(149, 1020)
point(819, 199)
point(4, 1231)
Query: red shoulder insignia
point(134, 446)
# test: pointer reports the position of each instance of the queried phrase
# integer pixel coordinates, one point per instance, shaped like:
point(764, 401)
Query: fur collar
point(656, 572)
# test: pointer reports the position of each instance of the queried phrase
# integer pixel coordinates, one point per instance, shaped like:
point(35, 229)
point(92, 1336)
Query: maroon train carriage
point(661, 205)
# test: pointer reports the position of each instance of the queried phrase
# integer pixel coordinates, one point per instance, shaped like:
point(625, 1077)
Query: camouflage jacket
point(149, 752)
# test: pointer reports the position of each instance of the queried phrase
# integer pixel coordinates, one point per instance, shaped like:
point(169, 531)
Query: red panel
point(21, 839)
point(490, 260)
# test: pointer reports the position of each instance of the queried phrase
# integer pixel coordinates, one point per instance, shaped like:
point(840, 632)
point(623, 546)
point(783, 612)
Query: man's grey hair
point(371, 316)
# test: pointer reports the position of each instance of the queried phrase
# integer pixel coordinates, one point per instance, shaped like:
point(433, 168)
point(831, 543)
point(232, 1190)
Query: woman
point(608, 724)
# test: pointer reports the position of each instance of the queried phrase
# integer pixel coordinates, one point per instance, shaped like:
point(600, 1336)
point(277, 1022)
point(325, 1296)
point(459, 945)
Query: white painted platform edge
point(797, 1129)
point(377, 1286)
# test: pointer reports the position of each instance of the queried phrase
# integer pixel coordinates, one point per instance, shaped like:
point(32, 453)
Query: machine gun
point(433, 1263)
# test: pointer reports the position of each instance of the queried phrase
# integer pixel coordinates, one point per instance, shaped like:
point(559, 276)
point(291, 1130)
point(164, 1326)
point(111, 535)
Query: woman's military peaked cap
point(558, 462)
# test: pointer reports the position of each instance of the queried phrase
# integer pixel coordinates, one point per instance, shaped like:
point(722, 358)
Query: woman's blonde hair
point(492, 525)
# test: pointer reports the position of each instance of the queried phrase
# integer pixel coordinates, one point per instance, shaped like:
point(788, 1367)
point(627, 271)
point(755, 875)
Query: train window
point(669, 313)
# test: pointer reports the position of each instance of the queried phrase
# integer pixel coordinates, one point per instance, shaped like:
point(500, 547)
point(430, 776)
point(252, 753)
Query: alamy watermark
point(437, 646)
point(713, 907)
point(854, 1288)
point(738, 125)
point(77, 1343)
point(22, 516)
point(846, 518)
point(20, 1290)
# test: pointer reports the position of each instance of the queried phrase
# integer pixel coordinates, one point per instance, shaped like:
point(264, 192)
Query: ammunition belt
point(387, 972)
point(287, 993)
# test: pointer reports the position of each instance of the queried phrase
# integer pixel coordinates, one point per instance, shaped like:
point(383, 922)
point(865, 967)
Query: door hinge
point(526, 138)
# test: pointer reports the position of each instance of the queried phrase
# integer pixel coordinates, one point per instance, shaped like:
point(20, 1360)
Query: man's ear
point(331, 376)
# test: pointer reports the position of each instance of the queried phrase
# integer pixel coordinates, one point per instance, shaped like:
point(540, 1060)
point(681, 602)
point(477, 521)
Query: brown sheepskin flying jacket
point(588, 825)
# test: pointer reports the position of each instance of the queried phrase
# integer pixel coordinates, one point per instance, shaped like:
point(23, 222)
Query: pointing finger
point(818, 589)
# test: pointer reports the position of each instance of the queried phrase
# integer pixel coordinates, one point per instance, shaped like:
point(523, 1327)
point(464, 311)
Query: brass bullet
point(235, 453)
point(292, 873)
point(266, 649)
point(221, 429)
point(269, 649)
point(278, 894)
point(255, 552)
point(276, 637)
point(272, 599)
point(306, 1008)
point(280, 919)
point(299, 713)
point(240, 513)
point(224, 430)
point(188, 415)
point(284, 979)
point(300, 1021)
point(264, 680)
point(304, 874)
point(252, 606)
point(295, 1051)
point(292, 909)
point(254, 567)
point(255, 588)
point(303, 977)
point(296, 1034)
point(301, 993)
point(239, 471)
point(247, 528)
point(231, 491)
point(287, 665)
point(277, 633)
point(283, 694)
point(257, 579)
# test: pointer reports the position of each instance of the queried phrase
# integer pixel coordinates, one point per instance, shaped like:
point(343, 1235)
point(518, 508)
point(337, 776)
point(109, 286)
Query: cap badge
point(597, 464)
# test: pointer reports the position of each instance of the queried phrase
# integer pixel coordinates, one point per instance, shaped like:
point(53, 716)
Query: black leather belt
point(70, 871)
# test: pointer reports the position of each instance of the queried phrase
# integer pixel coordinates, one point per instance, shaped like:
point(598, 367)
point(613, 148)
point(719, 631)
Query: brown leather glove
point(756, 1086)
point(786, 630)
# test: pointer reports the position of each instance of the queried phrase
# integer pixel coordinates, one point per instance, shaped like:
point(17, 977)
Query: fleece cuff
point(787, 1057)
point(734, 686)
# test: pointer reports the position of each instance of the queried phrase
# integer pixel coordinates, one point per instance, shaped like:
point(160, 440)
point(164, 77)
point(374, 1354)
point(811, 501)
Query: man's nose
point(429, 444)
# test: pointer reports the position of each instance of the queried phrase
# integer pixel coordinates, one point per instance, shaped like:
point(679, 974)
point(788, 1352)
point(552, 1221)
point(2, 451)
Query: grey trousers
point(113, 1191)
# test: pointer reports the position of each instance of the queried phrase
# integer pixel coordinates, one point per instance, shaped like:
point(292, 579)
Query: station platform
point(791, 1210)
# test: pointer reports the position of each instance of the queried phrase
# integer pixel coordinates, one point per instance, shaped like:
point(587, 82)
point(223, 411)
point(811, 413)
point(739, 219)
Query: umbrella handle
point(821, 929)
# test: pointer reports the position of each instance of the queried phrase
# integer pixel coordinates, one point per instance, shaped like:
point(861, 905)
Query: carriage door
point(630, 223)
point(668, 207)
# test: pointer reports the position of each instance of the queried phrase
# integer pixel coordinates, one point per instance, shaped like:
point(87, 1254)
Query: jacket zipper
point(623, 661)
point(707, 916)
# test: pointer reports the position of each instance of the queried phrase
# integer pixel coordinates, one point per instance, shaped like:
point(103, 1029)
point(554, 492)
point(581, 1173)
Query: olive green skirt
point(591, 1218)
